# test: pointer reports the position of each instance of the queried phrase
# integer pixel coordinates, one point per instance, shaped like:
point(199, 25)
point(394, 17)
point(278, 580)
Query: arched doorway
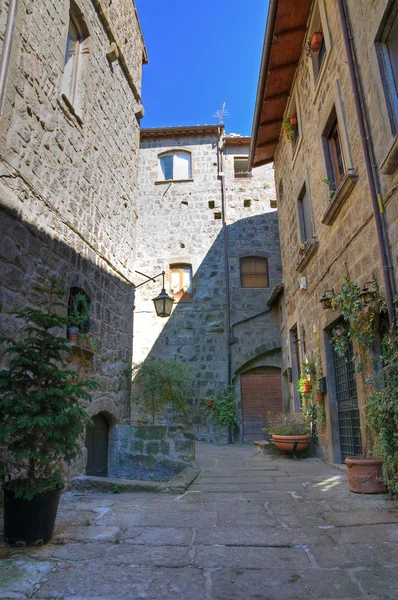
point(97, 447)
point(261, 392)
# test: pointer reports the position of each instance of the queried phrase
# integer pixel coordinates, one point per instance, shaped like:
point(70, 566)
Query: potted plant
point(316, 41)
point(224, 412)
point(41, 420)
point(364, 473)
point(290, 431)
point(87, 340)
point(79, 315)
point(289, 127)
point(161, 383)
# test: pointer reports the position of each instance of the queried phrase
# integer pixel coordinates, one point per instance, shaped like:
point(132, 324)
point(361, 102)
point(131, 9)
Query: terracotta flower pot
point(293, 121)
point(306, 388)
point(319, 397)
point(209, 402)
point(286, 442)
point(73, 334)
point(316, 41)
point(365, 475)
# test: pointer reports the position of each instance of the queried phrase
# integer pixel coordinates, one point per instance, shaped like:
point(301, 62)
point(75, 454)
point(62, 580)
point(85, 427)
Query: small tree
point(158, 383)
point(40, 417)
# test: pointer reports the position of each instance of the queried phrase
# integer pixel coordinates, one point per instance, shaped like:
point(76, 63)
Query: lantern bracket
point(149, 278)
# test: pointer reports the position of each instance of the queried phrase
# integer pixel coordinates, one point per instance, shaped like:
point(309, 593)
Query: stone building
point(326, 114)
point(70, 105)
point(213, 229)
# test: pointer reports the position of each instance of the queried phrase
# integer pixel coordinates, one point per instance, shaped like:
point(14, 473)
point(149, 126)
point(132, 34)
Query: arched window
point(76, 42)
point(79, 306)
point(254, 272)
point(175, 166)
point(181, 280)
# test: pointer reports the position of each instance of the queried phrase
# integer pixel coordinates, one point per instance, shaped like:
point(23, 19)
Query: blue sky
point(200, 54)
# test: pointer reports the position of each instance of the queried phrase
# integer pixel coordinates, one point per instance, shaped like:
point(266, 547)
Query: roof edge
point(180, 130)
point(269, 32)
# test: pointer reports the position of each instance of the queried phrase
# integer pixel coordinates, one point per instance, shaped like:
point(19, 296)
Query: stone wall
point(68, 181)
point(348, 244)
point(176, 225)
point(149, 448)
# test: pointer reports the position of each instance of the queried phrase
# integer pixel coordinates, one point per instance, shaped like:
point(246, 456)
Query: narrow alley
point(253, 526)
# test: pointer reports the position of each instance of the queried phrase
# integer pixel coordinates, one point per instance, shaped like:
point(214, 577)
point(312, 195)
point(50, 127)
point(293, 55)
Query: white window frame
point(319, 20)
point(75, 96)
point(175, 154)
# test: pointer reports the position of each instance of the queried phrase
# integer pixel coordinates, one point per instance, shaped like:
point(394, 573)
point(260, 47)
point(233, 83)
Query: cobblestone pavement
point(251, 527)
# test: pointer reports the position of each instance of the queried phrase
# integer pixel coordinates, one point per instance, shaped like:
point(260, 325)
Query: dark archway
point(97, 446)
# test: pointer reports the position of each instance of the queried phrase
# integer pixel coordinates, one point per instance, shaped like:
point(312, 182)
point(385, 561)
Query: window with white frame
point(318, 41)
point(76, 42)
point(174, 166)
point(181, 280)
point(387, 50)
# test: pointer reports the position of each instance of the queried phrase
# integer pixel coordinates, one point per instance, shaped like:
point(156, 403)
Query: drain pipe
point(221, 174)
point(367, 150)
point(230, 341)
point(6, 50)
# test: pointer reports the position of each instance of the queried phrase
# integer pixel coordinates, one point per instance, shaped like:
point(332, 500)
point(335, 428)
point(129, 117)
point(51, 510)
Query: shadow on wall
point(28, 257)
point(196, 333)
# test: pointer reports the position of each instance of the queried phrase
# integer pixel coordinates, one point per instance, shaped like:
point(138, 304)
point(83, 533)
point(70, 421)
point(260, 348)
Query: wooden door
point(261, 393)
point(97, 447)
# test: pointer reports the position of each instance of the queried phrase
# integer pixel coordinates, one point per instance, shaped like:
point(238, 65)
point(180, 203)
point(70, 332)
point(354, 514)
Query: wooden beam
point(260, 163)
point(292, 31)
point(279, 96)
point(270, 143)
point(272, 122)
point(285, 67)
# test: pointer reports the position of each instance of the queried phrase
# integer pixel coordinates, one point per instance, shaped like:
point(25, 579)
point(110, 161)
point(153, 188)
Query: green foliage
point(80, 309)
point(158, 383)
point(381, 411)
point(40, 416)
point(224, 409)
point(23, 489)
point(87, 340)
point(288, 424)
point(116, 488)
point(289, 129)
point(358, 320)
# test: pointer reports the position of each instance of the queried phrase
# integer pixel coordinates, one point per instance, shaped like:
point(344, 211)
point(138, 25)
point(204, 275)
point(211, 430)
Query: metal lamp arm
point(150, 278)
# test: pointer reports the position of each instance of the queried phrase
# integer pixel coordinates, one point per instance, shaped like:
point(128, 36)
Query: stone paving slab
point(306, 537)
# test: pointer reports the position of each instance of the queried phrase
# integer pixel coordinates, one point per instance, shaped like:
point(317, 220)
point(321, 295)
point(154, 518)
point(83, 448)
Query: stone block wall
point(68, 182)
point(150, 448)
point(177, 225)
point(348, 244)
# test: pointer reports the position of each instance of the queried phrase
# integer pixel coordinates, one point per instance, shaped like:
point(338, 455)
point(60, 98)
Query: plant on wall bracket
point(289, 125)
point(332, 188)
point(224, 409)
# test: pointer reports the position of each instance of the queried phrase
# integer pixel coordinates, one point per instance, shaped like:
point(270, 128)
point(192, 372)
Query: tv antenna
point(222, 113)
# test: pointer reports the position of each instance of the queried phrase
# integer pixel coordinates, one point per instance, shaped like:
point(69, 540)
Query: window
point(294, 125)
point(387, 52)
point(280, 192)
point(78, 305)
point(175, 166)
point(254, 272)
point(181, 281)
point(241, 166)
point(304, 213)
point(336, 154)
point(319, 41)
point(72, 86)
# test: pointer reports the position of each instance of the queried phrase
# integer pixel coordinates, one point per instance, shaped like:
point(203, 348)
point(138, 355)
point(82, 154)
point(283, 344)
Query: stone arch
point(106, 407)
point(255, 354)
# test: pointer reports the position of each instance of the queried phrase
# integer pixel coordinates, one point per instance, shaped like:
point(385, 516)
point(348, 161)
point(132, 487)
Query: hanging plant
point(289, 128)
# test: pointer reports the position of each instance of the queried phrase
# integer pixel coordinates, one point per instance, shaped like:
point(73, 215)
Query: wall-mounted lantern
point(367, 295)
point(163, 303)
point(326, 299)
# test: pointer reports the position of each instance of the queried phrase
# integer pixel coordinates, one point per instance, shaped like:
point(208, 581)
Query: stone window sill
point(341, 195)
point(305, 259)
point(297, 150)
point(67, 106)
point(390, 161)
point(182, 300)
point(163, 181)
point(78, 350)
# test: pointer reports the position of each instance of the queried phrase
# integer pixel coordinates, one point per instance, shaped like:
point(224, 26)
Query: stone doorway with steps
point(97, 446)
point(261, 392)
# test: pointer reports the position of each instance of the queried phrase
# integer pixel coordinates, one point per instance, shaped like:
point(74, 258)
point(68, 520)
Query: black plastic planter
point(30, 522)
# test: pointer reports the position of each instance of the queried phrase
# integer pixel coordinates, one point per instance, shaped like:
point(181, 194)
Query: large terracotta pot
point(365, 475)
point(286, 442)
point(316, 41)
